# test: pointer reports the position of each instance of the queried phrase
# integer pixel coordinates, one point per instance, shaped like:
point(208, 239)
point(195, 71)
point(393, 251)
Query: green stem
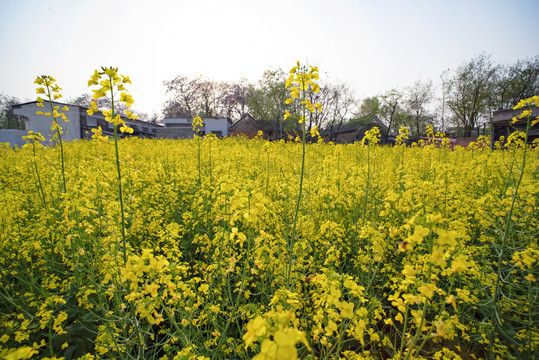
point(211, 177)
point(508, 222)
point(268, 174)
point(298, 201)
point(51, 349)
point(38, 177)
point(120, 196)
point(199, 163)
point(403, 335)
point(62, 159)
point(418, 330)
point(235, 306)
point(59, 141)
point(367, 189)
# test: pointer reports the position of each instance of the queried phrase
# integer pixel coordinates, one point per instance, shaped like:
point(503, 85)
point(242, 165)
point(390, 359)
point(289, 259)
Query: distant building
point(453, 141)
point(355, 130)
point(249, 127)
point(182, 128)
point(12, 137)
point(501, 124)
point(79, 123)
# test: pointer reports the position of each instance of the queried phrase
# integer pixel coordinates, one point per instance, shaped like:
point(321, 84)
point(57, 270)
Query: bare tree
point(234, 99)
point(8, 120)
point(339, 107)
point(184, 97)
point(321, 97)
point(390, 108)
point(206, 98)
point(418, 96)
point(444, 88)
point(209, 97)
point(84, 100)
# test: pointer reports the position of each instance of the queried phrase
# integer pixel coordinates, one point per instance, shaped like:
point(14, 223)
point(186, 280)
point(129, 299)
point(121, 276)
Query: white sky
point(371, 45)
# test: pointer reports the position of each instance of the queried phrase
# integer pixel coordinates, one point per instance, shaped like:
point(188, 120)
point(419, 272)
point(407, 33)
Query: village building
point(182, 128)
point(78, 126)
point(502, 126)
point(249, 127)
point(355, 130)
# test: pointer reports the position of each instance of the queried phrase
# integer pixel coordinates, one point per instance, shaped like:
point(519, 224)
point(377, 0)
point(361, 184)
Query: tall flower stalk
point(198, 125)
point(35, 139)
point(51, 90)
point(300, 82)
point(509, 240)
point(111, 83)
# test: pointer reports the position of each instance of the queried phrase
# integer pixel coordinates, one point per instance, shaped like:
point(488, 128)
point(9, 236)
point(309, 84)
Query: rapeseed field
point(234, 248)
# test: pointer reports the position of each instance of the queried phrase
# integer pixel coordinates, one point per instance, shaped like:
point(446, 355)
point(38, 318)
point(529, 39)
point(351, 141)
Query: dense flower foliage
point(399, 252)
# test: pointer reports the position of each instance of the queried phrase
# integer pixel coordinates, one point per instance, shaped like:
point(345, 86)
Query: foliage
point(469, 94)
point(391, 109)
point(369, 107)
point(7, 119)
point(266, 101)
point(469, 91)
point(516, 81)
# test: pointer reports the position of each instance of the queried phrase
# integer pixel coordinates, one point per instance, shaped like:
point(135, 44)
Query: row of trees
point(463, 101)
point(204, 97)
point(264, 100)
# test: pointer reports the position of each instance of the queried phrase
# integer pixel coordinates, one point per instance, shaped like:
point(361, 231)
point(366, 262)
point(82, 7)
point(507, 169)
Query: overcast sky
point(371, 45)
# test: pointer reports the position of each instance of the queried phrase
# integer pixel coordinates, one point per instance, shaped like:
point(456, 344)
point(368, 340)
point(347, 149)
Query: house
point(249, 127)
point(501, 124)
point(355, 130)
point(79, 123)
point(271, 130)
point(182, 128)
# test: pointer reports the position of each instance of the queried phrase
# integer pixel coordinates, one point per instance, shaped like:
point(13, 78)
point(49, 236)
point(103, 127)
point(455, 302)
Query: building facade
point(182, 128)
point(355, 131)
point(502, 126)
point(79, 124)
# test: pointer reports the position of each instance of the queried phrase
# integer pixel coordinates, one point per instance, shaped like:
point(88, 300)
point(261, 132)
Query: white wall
point(210, 124)
point(42, 123)
point(13, 137)
point(172, 122)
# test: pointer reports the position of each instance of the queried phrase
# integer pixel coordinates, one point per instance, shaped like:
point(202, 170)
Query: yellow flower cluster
point(197, 124)
point(277, 334)
point(404, 134)
point(36, 137)
point(110, 82)
point(301, 80)
point(372, 136)
point(48, 87)
point(528, 103)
